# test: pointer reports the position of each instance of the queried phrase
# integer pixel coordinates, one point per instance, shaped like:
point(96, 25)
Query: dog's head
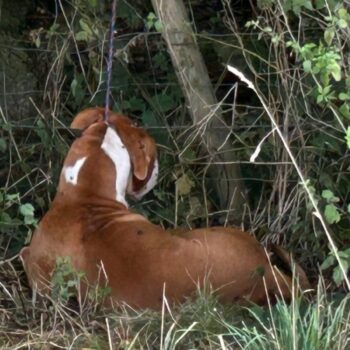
point(130, 149)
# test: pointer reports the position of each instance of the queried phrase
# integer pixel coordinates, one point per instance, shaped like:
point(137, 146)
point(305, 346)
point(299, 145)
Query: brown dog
point(89, 221)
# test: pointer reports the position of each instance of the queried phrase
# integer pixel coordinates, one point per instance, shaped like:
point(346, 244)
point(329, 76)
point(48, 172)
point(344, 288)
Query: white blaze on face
point(148, 186)
point(117, 152)
point(71, 173)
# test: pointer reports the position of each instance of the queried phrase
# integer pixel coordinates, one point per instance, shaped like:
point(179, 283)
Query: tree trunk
point(203, 106)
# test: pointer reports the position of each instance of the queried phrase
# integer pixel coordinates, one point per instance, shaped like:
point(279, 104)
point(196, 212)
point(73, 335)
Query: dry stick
point(109, 334)
point(317, 212)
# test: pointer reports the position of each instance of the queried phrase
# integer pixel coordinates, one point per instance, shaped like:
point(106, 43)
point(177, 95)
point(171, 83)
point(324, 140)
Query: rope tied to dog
point(112, 31)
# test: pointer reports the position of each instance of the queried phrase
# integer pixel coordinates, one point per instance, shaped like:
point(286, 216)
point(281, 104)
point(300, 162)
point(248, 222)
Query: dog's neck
point(98, 164)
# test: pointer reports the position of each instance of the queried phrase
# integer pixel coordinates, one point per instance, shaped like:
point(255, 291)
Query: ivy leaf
point(26, 209)
point(332, 214)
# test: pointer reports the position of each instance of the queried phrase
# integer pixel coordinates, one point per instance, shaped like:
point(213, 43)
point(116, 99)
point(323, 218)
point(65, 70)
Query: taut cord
point(110, 60)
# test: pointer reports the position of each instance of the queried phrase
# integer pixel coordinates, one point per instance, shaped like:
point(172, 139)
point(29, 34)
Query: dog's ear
point(142, 155)
point(87, 117)
point(142, 151)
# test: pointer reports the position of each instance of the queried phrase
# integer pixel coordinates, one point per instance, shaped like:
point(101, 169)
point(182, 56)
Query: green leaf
point(342, 13)
point(329, 261)
point(158, 26)
point(342, 23)
point(308, 4)
point(165, 102)
point(29, 220)
point(26, 209)
point(343, 96)
point(307, 65)
point(149, 119)
point(345, 110)
point(347, 137)
point(12, 197)
point(37, 42)
point(82, 36)
point(5, 219)
point(151, 16)
point(85, 27)
point(338, 275)
point(327, 194)
point(71, 283)
point(5, 222)
point(348, 208)
point(335, 71)
point(329, 35)
point(331, 214)
point(136, 104)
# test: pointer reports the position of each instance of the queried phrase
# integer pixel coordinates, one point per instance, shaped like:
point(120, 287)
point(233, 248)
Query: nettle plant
point(67, 282)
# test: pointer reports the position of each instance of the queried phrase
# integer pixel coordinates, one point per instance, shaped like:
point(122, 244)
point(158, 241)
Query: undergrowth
point(32, 321)
point(297, 55)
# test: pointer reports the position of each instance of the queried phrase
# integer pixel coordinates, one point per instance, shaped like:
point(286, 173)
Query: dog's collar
point(109, 125)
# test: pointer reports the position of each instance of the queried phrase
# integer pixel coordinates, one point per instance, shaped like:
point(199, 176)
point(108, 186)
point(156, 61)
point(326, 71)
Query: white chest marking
point(71, 173)
point(117, 152)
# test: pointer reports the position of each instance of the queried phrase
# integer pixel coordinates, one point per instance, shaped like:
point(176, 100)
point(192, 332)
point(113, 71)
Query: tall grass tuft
point(321, 324)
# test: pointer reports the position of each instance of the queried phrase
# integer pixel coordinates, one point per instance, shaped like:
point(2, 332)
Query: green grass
point(34, 322)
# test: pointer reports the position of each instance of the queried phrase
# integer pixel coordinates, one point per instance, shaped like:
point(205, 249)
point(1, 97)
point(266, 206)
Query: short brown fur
point(140, 259)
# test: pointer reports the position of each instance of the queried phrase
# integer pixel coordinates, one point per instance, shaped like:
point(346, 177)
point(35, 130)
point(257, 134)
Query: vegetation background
point(296, 52)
